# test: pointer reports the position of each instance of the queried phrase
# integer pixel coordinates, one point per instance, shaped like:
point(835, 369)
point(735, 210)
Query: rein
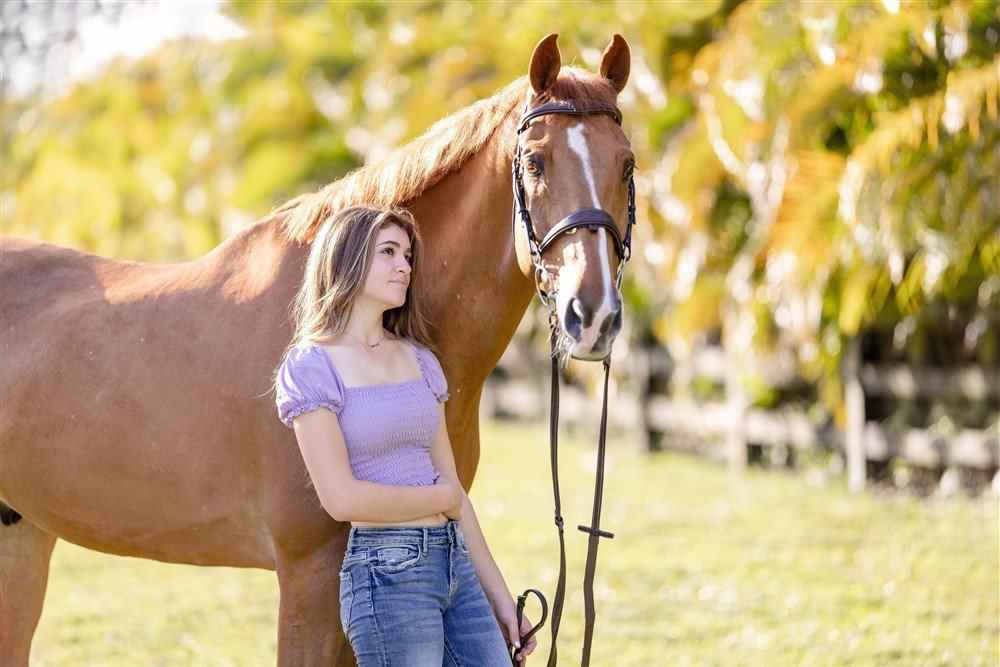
point(593, 219)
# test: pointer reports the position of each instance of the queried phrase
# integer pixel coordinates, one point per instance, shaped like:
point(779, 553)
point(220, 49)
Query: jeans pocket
point(352, 558)
point(394, 558)
point(346, 599)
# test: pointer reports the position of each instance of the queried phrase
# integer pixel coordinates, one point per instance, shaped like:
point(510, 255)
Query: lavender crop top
point(388, 427)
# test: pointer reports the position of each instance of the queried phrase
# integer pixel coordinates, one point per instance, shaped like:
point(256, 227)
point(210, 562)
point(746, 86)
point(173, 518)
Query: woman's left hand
point(506, 613)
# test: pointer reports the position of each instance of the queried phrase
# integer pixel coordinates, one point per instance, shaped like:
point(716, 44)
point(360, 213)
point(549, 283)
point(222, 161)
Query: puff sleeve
point(307, 381)
point(433, 373)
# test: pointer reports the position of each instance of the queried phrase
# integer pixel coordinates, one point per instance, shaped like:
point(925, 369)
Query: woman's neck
point(365, 323)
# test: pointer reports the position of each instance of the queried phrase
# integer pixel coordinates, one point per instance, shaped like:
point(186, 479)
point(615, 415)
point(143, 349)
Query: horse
point(137, 416)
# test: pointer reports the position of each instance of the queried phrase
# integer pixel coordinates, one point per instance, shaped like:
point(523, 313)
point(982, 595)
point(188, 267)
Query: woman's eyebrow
point(395, 243)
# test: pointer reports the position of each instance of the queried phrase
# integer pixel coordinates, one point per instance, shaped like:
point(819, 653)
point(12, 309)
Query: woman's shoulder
point(423, 353)
point(431, 369)
point(307, 381)
point(309, 357)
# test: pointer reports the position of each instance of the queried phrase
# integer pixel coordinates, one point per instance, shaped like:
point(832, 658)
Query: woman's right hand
point(456, 497)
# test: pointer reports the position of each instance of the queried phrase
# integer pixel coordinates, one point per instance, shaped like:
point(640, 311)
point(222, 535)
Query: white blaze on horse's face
point(592, 331)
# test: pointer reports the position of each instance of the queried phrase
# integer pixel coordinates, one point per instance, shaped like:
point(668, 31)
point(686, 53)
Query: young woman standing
point(365, 396)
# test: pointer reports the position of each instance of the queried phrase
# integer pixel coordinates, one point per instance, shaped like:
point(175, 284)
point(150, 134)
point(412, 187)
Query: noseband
point(591, 218)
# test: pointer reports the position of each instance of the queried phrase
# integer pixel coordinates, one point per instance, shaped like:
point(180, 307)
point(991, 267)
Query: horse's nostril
point(585, 315)
point(616, 321)
point(573, 319)
point(612, 324)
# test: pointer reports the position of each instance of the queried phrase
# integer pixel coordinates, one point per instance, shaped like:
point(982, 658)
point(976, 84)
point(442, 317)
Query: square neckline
point(378, 385)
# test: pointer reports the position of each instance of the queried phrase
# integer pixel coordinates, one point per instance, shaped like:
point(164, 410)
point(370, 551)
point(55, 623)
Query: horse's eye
point(533, 166)
point(629, 168)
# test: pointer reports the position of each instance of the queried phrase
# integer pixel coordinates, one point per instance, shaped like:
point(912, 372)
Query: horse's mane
point(408, 171)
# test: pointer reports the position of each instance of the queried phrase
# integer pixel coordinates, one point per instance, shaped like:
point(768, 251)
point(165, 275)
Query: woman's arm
point(347, 499)
point(482, 559)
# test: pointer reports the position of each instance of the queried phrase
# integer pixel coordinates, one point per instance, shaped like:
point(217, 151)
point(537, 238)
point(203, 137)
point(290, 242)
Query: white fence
point(728, 419)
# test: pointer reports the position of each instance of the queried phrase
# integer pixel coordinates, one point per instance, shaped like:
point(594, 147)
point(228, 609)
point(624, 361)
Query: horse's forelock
point(576, 83)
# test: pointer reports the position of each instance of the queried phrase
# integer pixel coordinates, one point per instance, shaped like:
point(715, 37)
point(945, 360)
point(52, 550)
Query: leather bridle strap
point(591, 218)
point(557, 602)
point(594, 530)
point(594, 220)
point(569, 108)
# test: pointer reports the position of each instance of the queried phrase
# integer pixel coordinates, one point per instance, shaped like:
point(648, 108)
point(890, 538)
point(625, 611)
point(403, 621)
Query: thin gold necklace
point(370, 347)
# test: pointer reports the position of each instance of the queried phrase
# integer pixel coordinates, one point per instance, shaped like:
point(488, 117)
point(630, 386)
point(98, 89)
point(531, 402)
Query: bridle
point(593, 219)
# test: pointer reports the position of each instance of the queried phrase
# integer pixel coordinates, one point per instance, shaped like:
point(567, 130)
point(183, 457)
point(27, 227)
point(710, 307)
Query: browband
point(570, 108)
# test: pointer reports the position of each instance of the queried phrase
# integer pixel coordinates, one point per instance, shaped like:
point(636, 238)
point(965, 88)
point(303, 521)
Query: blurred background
point(813, 302)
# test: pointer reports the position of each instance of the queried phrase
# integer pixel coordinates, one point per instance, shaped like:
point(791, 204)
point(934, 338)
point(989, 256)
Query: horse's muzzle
point(591, 330)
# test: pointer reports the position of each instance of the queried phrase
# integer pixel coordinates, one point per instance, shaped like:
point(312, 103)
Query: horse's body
point(137, 416)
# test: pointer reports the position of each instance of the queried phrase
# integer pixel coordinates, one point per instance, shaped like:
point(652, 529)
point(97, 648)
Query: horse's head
point(572, 182)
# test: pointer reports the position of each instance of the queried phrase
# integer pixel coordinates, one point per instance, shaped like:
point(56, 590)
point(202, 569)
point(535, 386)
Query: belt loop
point(426, 532)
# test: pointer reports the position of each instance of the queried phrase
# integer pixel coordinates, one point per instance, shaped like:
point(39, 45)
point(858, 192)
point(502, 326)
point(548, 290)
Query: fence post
point(736, 406)
point(854, 406)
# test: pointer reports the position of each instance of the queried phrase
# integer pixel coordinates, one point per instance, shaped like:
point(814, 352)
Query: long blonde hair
point(338, 263)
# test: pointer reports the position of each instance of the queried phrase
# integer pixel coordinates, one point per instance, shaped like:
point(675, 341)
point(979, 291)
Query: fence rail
point(728, 420)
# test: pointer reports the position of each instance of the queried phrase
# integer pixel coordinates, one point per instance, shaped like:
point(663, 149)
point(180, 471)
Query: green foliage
point(864, 135)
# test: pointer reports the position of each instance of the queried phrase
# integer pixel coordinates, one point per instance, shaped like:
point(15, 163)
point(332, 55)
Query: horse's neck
point(475, 293)
point(257, 272)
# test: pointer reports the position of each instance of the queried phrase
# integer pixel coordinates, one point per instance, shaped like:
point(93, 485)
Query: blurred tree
point(838, 176)
point(160, 158)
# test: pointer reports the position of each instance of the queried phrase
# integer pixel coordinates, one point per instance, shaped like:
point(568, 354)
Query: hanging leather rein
point(593, 219)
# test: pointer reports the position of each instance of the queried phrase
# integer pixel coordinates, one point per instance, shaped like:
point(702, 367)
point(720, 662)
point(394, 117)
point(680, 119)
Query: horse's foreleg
point(309, 630)
point(25, 550)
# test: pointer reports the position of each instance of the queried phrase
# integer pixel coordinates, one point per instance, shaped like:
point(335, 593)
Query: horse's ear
point(616, 63)
point(545, 64)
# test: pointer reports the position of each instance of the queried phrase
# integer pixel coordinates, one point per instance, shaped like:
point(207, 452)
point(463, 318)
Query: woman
point(365, 396)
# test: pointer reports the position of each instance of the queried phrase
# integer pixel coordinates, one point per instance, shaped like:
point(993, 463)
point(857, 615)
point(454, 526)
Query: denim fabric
point(410, 596)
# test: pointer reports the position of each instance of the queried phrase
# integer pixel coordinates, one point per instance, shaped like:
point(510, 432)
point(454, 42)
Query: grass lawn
point(706, 568)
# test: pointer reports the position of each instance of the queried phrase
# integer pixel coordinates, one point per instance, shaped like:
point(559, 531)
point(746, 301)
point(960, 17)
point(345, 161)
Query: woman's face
point(389, 275)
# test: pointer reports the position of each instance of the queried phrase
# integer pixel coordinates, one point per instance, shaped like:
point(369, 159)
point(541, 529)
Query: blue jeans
point(410, 596)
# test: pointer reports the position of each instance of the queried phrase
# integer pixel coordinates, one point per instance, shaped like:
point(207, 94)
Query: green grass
point(706, 568)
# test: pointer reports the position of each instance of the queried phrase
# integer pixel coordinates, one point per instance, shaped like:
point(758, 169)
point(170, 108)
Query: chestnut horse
point(136, 415)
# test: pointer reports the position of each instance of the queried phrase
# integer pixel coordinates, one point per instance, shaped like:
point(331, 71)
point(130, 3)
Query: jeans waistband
point(446, 533)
